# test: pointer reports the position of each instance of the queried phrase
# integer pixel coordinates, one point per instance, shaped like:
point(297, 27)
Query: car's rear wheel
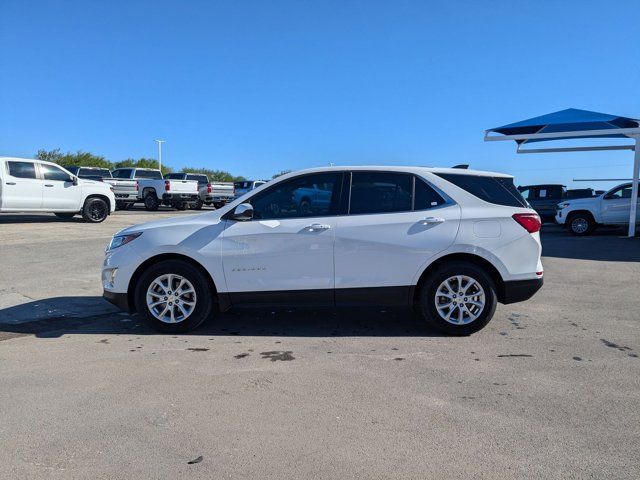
point(174, 296)
point(65, 215)
point(182, 205)
point(581, 224)
point(197, 205)
point(95, 210)
point(458, 298)
point(151, 202)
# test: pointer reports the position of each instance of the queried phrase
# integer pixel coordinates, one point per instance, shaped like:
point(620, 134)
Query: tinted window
point(174, 176)
point(307, 196)
point(241, 184)
point(198, 178)
point(498, 190)
point(527, 193)
point(22, 169)
point(153, 174)
point(122, 173)
point(73, 170)
point(426, 196)
point(93, 172)
point(54, 173)
point(380, 192)
point(621, 192)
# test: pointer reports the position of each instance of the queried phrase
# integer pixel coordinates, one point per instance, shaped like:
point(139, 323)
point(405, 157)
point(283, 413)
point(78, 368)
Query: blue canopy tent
point(576, 124)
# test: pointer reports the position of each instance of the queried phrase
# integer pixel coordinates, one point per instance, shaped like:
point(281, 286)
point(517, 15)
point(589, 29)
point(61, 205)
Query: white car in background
point(450, 242)
point(37, 186)
point(583, 215)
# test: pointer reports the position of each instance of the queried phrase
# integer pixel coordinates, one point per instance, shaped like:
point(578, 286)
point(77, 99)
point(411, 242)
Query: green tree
point(80, 158)
point(215, 175)
point(142, 163)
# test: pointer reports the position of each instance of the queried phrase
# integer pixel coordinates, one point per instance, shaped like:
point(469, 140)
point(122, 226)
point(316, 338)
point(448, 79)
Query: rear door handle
point(317, 227)
point(48, 185)
point(11, 183)
point(433, 220)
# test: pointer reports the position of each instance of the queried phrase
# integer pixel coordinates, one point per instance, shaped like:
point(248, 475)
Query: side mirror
point(74, 179)
point(243, 212)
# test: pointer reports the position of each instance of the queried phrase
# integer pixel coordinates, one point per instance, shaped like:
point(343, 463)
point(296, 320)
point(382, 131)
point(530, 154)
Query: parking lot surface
point(550, 389)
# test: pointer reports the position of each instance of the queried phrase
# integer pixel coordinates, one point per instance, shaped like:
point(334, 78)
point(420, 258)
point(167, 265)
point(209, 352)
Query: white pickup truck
point(37, 186)
point(581, 216)
point(178, 194)
point(213, 193)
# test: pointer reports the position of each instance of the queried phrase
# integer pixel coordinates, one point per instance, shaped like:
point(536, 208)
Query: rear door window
point(425, 196)
point(497, 190)
point(381, 192)
point(22, 169)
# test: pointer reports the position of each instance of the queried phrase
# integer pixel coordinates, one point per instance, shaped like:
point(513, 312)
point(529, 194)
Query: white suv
point(450, 242)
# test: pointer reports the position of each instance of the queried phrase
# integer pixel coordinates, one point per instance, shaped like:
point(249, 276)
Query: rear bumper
point(120, 300)
point(520, 290)
point(172, 197)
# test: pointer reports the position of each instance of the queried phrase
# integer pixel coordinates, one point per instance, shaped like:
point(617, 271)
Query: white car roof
point(408, 169)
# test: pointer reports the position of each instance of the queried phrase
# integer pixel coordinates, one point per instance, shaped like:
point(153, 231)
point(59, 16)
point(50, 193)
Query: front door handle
point(317, 227)
point(48, 185)
point(433, 220)
point(11, 183)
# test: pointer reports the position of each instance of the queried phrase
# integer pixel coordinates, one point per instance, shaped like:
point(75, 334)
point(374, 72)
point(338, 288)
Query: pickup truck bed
point(179, 194)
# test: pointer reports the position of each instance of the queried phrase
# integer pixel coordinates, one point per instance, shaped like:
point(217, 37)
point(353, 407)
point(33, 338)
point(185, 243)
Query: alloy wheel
point(460, 300)
point(171, 298)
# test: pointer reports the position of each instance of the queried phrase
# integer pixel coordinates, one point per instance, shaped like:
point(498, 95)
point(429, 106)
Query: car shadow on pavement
point(245, 322)
point(43, 218)
point(608, 245)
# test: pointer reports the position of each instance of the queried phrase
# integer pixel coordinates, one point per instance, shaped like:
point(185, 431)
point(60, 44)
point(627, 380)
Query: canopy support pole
point(634, 189)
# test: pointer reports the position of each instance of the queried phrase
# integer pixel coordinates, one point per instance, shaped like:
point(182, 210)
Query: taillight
point(167, 185)
point(529, 221)
point(208, 188)
point(136, 185)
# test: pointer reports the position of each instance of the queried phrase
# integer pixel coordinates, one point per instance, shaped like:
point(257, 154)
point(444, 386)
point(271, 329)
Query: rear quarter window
point(496, 190)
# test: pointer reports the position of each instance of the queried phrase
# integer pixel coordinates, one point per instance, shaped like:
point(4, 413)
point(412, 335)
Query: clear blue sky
point(255, 87)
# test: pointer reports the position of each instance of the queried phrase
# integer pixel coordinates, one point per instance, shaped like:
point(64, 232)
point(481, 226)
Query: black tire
point(65, 215)
point(182, 205)
point(95, 210)
point(204, 307)
point(197, 205)
point(427, 298)
point(151, 202)
point(120, 205)
point(580, 224)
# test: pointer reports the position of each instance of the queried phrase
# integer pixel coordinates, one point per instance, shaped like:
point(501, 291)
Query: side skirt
point(342, 297)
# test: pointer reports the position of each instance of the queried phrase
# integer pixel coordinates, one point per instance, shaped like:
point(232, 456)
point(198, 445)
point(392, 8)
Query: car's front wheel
point(581, 224)
point(458, 298)
point(174, 296)
point(95, 210)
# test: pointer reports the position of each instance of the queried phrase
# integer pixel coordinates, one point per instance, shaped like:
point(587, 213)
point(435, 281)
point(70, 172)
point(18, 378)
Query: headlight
point(120, 240)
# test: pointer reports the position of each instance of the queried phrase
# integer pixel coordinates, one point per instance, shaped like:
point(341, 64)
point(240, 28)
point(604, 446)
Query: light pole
point(160, 142)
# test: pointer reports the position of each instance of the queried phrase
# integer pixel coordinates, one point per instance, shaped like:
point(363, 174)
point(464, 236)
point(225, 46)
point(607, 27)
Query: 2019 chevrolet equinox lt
point(451, 243)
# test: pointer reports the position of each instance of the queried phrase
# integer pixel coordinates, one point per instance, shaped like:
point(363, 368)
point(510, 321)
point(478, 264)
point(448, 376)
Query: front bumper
point(520, 290)
point(120, 300)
